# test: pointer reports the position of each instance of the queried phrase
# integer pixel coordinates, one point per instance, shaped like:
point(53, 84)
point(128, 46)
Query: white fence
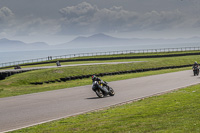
point(99, 53)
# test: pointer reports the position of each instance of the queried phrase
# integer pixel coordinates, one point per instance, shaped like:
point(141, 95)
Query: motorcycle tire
point(111, 92)
point(194, 73)
point(99, 93)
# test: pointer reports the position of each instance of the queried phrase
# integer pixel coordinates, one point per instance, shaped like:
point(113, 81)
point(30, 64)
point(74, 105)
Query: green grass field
point(21, 87)
point(177, 111)
point(48, 63)
point(21, 83)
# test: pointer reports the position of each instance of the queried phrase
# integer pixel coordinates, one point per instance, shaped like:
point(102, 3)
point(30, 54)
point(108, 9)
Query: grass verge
point(69, 60)
point(177, 111)
point(21, 83)
point(57, 73)
point(7, 89)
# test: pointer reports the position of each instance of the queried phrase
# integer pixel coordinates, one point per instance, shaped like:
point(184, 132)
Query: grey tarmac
point(32, 109)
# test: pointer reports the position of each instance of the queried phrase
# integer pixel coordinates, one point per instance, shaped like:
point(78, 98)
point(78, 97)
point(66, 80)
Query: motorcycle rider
point(196, 65)
point(100, 83)
point(95, 78)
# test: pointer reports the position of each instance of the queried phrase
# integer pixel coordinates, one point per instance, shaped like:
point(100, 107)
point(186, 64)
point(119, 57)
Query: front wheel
point(194, 71)
point(99, 93)
point(111, 92)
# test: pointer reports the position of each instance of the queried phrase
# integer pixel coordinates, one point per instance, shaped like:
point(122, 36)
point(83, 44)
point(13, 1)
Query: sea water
point(28, 55)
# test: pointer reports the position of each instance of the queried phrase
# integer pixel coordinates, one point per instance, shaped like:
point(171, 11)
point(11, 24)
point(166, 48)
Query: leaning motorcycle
point(102, 89)
point(196, 71)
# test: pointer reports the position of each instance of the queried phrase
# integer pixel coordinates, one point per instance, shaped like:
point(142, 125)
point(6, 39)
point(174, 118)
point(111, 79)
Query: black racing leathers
point(100, 83)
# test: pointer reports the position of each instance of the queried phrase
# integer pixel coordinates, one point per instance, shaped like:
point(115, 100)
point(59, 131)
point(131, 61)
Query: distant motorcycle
point(17, 67)
point(102, 89)
point(196, 70)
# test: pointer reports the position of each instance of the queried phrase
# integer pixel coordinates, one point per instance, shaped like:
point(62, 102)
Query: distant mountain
point(106, 40)
point(6, 42)
point(15, 45)
point(100, 40)
point(95, 40)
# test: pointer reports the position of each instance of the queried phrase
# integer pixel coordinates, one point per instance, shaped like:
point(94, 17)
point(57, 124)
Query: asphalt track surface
point(32, 109)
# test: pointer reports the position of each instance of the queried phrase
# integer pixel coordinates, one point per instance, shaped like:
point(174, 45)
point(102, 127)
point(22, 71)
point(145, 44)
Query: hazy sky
point(57, 21)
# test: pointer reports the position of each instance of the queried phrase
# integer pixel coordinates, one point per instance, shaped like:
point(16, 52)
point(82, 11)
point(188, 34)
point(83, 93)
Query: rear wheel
point(111, 92)
point(99, 93)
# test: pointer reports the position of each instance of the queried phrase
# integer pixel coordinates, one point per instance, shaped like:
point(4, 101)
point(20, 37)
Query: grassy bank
point(75, 59)
point(8, 89)
point(20, 83)
point(57, 73)
point(177, 111)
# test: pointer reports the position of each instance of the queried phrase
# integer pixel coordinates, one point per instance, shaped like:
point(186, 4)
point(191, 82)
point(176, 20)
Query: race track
point(26, 110)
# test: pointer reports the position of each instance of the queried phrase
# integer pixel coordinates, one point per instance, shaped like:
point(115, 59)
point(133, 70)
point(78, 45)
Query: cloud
point(162, 20)
point(36, 26)
point(6, 17)
point(5, 14)
point(28, 25)
point(83, 9)
point(77, 19)
point(87, 18)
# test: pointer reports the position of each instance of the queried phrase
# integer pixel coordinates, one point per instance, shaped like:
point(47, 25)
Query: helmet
point(195, 62)
point(94, 77)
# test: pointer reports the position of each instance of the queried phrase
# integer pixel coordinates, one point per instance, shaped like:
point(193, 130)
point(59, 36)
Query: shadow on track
point(93, 98)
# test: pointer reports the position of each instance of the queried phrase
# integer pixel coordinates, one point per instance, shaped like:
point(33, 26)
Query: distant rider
point(195, 65)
